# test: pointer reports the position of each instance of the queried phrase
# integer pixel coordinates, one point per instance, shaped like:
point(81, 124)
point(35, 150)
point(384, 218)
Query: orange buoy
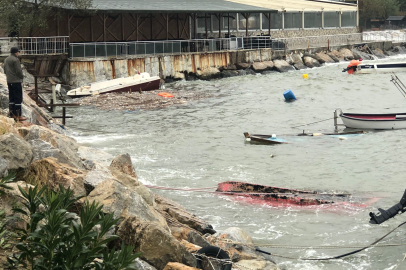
point(164, 94)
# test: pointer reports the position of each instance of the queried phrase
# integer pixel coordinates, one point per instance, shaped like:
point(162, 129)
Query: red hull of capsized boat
point(274, 196)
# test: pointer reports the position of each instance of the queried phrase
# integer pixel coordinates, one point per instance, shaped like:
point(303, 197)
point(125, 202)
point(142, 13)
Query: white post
point(260, 21)
point(339, 18)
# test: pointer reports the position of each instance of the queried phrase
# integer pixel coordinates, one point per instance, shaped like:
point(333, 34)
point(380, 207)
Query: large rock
point(143, 265)
point(229, 73)
point(379, 53)
point(178, 266)
point(269, 64)
point(95, 155)
point(3, 167)
point(67, 146)
point(282, 66)
point(244, 72)
point(16, 151)
point(399, 50)
point(97, 175)
point(179, 213)
point(49, 172)
point(123, 164)
point(323, 58)
point(345, 54)
point(157, 246)
point(300, 66)
point(259, 66)
point(125, 202)
point(296, 58)
point(311, 62)
point(7, 125)
point(243, 65)
point(208, 73)
point(3, 101)
point(334, 56)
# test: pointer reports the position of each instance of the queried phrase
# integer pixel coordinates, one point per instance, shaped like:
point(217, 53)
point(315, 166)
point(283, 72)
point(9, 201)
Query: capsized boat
point(285, 196)
point(138, 82)
point(268, 139)
point(355, 67)
point(374, 121)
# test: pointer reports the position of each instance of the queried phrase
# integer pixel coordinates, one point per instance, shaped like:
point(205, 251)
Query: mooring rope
point(313, 122)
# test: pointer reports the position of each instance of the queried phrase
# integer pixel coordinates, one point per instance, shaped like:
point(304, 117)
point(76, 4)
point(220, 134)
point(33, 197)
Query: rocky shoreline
point(168, 236)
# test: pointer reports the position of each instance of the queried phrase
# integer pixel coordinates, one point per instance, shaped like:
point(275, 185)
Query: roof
point(395, 18)
point(301, 5)
point(178, 6)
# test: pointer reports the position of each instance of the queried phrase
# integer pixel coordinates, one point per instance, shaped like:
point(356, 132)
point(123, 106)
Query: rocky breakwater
point(292, 61)
point(163, 231)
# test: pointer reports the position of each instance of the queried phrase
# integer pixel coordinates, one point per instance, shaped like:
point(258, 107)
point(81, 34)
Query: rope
point(313, 122)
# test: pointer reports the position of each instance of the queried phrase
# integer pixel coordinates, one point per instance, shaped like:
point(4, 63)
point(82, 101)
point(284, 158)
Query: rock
point(323, 58)
point(178, 266)
point(87, 153)
point(269, 64)
point(179, 213)
point(356, 53)
point(300, 66)
point(257, 264)
point(282, 66)
point(3, 101)
point(289, 60)
point(379, 53)
point(259, 66)
point(49, 172)
point(125, 179)
point(124, 202)
point(231, 67)
point(143, 265)
point(3, 167)
point(360, 54)
point(189, 246)
point(197, 239)
point(56, 80)
point(296, 58)
point(399, 50)
point(229, 73)
point(28, 78)
point(123, 164)
point(237, 234)
point(334, 57)
point(179, 76)
point(389, 53)
point(16, 151)
point(243, 65)
point(246, 72)
point(97, 175)
point(208, 73)
point(67, 146)
point(7, 125)
point(311, 62)
point(156, 245)
point(345, 54)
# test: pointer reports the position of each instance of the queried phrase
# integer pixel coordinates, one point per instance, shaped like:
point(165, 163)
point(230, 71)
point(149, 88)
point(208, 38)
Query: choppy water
point(201, 144)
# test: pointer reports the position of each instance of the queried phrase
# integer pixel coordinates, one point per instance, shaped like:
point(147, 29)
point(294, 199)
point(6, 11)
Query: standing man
point(14, 74)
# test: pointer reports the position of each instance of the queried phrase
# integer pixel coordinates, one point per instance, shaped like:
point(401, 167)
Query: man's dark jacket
point(12, 68)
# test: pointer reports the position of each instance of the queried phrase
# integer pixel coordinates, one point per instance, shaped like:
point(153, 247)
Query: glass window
point(201, 23)
point(233, 21)
point(265, 21)
point(215, 21)
point(276, 20)
point(331, 19)
point(349, 19)
point(313, 20)
point(293, 20)
point(254, 21)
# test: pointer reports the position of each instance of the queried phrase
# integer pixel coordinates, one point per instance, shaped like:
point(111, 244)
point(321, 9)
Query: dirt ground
point(145, 100)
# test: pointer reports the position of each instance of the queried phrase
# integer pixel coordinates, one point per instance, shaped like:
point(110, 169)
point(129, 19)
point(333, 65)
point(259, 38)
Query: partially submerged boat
point(268, 139)
point(285, 196)
point(356, 67)
point(374, 121)
point(136, 83)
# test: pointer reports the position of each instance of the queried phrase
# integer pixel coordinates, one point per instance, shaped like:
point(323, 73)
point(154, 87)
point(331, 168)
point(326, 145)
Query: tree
point(28, 15)
point(378, 9)
point(402, 5)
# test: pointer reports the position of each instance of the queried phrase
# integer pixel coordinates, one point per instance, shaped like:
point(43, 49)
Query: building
point(140, 20)
point(396, 21)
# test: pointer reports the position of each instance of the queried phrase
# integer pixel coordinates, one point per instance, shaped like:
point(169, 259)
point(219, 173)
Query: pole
point(53, 96)
point(335, 122)
point(63, 115)
point(36, 88)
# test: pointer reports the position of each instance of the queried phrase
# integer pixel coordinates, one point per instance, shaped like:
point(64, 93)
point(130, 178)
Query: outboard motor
point(384, 215)
point(352, 67)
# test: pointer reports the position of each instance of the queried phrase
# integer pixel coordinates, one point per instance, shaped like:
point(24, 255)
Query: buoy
point(163, 94)
point(288, 94)
point(305, 76)
point(271, 156)
point(273, 135)
point(342, 138)
point(248, 139)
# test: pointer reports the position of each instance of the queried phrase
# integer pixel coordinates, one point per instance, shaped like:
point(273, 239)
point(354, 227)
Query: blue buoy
point(289, 96)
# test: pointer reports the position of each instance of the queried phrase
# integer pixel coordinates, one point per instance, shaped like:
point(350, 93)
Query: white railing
point(388, 35)
point(36, 45)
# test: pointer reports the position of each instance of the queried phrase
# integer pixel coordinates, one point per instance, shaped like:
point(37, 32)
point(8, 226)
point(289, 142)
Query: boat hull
point(381, 68)
point(374, 121)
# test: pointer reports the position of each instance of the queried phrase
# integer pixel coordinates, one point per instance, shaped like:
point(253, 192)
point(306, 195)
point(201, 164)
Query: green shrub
point(54, 239)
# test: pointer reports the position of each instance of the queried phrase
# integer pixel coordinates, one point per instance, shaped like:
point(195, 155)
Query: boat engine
point(384, 215)
point(352, 66)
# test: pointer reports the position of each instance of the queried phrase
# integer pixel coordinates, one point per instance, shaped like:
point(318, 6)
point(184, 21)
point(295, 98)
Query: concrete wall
point(87, 71)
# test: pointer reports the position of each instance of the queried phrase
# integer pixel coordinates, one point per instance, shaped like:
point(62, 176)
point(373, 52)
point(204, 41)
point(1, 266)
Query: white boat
point(355, 67)
point(374, 121)
point(138, 82)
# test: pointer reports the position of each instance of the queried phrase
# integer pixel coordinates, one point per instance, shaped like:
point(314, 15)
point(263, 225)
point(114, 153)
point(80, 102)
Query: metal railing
point(388, 35)
point(168, 47)
point(36, 45)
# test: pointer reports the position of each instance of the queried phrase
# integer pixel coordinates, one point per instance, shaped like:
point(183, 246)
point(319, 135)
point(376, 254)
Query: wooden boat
point(138, 82)
point(374, 121)
point(283, 196)
point(355, 67)
point(268, 139)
